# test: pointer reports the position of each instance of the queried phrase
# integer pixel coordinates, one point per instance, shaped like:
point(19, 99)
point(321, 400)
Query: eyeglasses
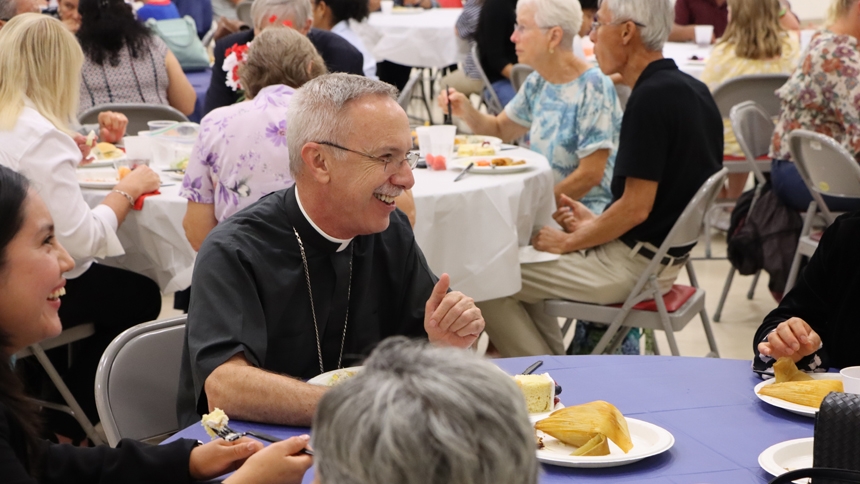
point(411, 157)
point(522, 28)
point(596, 25)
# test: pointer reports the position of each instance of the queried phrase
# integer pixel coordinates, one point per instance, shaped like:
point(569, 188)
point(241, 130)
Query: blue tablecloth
point(720, 426)
point(200, 80)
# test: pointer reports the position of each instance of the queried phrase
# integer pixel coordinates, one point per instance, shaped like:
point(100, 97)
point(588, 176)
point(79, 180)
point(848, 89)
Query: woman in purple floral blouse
point(822, 95)
point(241, 152)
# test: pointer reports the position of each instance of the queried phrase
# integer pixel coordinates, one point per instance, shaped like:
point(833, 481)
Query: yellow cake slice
point(539, 391)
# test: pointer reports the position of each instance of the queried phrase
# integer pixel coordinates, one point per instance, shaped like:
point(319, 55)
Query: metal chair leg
point(664, 317)
point(751, 292)
point(728, 284)
point(709, 333)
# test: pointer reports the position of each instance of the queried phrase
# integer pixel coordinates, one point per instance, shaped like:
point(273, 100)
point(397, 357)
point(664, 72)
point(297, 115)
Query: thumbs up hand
point(451, 318)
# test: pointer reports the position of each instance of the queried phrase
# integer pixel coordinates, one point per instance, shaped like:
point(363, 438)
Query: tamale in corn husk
point(809, 393)
point(785, 370)
point(597, 446)
point(579, 424)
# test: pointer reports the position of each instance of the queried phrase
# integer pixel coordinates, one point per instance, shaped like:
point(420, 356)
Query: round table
point(681, 52)
point(473, 229)
point(153, 238)
point(420, 38)
point(720, 427)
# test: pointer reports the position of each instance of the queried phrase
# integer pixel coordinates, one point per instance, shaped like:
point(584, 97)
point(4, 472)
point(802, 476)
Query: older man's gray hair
point(8, 8)
point(420, 414)
point(298, 10)
point(317, 110)
point(657, 17)
point(565, 14)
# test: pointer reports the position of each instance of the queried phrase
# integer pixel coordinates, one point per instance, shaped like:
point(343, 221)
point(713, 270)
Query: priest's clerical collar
point(343, 242)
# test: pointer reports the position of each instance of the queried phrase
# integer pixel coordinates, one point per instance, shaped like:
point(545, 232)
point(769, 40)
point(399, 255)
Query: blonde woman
point(754, 43)
point(41, 65)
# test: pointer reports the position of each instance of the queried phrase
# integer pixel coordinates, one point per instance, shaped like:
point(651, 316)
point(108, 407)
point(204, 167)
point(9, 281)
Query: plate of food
point(696, 60)
point(796, 391)
point(787, 456)
point(406, 10)
point(477, 149)
point(494, 165)
point(335, 377)
point(540, 394)
point(99, 178)
point(466, 139)
point(104, 155)
point(175, 175)
point(596, 434)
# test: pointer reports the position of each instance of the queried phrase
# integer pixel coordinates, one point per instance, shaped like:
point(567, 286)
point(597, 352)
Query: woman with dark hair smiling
point(127, 63)
point(32, 263)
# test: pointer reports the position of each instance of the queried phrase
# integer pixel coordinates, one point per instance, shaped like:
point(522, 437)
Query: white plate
point(101, 178)
point(648, 440)
point(787, 456)
point(477, 139)
point(793, 407)
point(406, 10)
point(461, 163)
point(328, 378)
point(534, 417)
point(174, 175)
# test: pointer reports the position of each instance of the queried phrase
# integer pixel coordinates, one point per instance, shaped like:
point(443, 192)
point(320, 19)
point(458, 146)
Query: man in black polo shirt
point(671, 142)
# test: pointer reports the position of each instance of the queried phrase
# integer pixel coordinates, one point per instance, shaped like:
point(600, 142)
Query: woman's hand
point(459, 102)
point(219, 457)
point(112, 126)
point(81, 141)
point(278, 463)
point(793, 338)
point(140, 181)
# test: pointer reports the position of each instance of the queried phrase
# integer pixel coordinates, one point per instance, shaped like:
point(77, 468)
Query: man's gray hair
point(8, 8)
point(566, 14)
point(657, 17)
point(298, 10)
point(316, 110)
point(419, 414)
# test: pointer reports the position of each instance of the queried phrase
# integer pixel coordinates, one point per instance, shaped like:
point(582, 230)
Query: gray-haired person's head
point(317, 110)
point(8, 9)
point(655, 18)
point(565, 14)
point(298, 10)
point(420, 414)
point(280, 56)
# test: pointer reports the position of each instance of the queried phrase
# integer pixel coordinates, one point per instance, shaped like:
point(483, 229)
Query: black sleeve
point(418, 281)
point(337, 53)
point(495, 27)
point(643, 148)
point(219, 93)
point(11, 467)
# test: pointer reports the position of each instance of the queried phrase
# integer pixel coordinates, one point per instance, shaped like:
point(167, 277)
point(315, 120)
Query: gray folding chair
point(243, 12)
point(138, 114)
point(71, 407)
point(624, 92)
point(754, 130)
point(494, 105)
point(644, 307)
point(519, 73)
point(137, 381)
point(826, 168)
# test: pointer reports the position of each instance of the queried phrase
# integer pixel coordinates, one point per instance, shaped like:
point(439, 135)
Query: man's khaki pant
point(605, 274)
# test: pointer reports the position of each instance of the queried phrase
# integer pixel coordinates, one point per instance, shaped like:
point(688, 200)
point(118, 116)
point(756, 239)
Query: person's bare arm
point(682, 33)
point(587, 230)
point(507, 70)
point(587, 176)
point(245, 392)
point(198, 222)
point(500, 126)
point(180, 92)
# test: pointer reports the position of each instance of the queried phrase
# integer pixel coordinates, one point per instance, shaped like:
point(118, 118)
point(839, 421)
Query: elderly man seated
point(415, 415)
point(338, 54)
point(671, 141)
point(310, 278)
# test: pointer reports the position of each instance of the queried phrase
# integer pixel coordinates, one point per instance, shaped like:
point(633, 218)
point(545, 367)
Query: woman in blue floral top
point(570, 109)
point(241, 152)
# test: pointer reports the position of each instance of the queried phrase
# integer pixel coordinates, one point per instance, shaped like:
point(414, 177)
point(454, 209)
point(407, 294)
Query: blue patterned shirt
point(569, 122)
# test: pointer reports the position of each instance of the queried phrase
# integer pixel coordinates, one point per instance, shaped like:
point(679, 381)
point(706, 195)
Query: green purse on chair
point(180, 35)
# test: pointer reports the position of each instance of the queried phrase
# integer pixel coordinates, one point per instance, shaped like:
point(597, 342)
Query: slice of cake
point(539, 391)
point(215, 421)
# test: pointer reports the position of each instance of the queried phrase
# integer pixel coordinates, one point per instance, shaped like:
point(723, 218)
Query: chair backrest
point(138, 115)
point(243, 12)
point(843, 476)
point(405, 97)
point(494, 105)
point(755, 87)
point(754, 131)
point(137, 381)
point(825, 166)
point(519, 73)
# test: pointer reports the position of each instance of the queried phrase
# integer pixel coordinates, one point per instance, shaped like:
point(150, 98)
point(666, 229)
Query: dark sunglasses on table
point(411, 157)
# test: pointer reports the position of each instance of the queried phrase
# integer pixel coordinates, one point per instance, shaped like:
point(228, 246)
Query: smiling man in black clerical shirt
point(311, 278)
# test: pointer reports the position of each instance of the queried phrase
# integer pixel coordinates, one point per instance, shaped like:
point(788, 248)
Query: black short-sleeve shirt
point(671, 133)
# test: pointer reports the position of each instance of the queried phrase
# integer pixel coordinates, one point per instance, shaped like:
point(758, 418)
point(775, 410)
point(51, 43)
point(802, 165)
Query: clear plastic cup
point(704, 34)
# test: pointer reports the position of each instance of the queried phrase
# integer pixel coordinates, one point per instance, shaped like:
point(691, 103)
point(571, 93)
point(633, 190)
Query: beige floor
point(741, 316)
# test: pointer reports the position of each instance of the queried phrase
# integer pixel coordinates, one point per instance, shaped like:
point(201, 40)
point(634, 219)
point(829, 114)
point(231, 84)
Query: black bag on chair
point(837, 434)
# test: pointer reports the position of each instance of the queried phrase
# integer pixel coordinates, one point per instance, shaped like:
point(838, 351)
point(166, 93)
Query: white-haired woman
point(569, 108)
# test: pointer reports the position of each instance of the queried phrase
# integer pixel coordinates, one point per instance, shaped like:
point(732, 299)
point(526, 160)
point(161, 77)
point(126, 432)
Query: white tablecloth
point(153, 238)
point(473, 229)
point(423, 39)
point(681, 52)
